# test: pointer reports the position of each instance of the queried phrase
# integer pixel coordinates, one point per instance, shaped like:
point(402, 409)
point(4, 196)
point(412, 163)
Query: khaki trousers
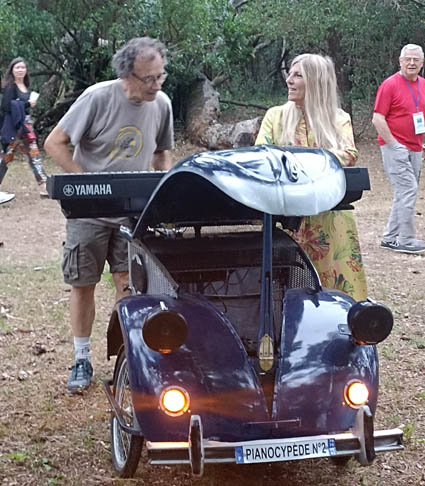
point(403, 168)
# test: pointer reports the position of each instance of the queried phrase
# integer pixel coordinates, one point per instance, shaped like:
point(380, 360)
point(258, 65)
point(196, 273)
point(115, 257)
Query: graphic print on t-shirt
point(128, 144)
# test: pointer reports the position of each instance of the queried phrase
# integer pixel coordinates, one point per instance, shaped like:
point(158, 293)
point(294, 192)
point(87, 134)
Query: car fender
point(318, 359)
point(212, 366)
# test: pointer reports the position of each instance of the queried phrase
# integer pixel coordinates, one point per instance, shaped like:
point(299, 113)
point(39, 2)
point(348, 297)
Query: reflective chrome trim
point(347, 444)
point(118, 411)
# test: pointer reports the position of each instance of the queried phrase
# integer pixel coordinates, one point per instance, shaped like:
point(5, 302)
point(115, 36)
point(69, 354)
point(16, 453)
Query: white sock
point(82, 348)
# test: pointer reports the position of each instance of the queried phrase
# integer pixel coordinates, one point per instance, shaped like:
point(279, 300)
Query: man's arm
point(162, 160)
point(382, 128)
point(56, 145)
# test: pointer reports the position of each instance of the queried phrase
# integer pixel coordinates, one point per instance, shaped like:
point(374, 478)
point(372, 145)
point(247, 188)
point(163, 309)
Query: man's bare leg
point(121, 285)
point(82, 312)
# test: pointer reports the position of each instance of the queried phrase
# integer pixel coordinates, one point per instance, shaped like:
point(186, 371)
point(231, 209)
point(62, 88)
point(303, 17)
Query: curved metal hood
point(242, 183)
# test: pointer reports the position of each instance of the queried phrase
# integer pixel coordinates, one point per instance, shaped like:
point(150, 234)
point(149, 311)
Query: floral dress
point(330, 238)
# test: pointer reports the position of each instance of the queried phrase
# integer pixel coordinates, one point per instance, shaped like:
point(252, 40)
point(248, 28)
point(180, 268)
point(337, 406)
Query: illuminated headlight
point(164, 330)
point(356, 394)
point(174, 401)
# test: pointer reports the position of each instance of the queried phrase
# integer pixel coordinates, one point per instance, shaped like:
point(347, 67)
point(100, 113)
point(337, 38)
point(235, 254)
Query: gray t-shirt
point(111, 133)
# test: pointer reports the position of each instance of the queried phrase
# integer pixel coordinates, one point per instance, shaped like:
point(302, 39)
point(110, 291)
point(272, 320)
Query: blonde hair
point(321, 103)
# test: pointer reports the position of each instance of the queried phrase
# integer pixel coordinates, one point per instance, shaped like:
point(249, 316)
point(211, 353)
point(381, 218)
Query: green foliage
point(107, 276)
point(363, 37)
point(244, 46)
point(9, 24)
point(19, 456)
point(419, 342)
point(5, 327)
point(204, 38)
point(408, 432)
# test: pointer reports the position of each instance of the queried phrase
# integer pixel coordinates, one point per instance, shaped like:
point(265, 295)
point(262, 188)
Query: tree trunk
point(202, 121)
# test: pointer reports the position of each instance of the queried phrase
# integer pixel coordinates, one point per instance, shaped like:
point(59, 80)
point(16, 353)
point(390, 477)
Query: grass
point(49, 438)
point(419, 342)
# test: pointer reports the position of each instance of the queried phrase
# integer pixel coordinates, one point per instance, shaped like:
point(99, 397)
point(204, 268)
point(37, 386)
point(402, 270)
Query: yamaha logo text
point(87, 190)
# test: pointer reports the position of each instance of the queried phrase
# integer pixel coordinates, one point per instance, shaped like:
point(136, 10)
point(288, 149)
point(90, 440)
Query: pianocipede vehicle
point(229, 349)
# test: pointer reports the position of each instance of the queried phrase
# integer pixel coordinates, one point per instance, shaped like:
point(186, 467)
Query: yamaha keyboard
point(118, 194)
point(103, 194)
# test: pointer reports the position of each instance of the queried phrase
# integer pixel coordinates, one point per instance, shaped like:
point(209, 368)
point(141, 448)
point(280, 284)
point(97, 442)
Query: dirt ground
point(49, 438)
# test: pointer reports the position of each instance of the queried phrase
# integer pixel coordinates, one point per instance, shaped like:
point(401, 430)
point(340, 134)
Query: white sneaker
point(6, 197)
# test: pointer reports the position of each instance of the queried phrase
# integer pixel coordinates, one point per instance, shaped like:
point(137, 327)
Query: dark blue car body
point(263, 354)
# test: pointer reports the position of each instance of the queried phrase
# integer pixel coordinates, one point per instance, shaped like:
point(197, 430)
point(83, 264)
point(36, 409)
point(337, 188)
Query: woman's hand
point(32, 103)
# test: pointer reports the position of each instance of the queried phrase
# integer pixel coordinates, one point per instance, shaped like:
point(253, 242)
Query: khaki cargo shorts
point(86, 249)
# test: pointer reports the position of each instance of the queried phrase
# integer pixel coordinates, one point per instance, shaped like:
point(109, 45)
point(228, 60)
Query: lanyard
point(414, 98)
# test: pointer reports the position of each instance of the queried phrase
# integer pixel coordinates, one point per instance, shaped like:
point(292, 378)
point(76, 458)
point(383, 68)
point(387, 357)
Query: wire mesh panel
point(302, 274)
point(148, 274)
point(224, 267)
point(194, 261)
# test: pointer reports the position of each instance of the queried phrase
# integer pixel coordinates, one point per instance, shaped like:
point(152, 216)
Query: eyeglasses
point(150, 80)
point(415, 60)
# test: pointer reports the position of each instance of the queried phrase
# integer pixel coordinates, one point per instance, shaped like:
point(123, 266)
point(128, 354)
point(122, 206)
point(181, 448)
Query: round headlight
point(174, 401)
point(369, 322)
point(164, 330)
point(356, 394)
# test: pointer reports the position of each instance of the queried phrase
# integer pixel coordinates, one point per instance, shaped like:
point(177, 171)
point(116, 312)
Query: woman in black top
point(16, 124)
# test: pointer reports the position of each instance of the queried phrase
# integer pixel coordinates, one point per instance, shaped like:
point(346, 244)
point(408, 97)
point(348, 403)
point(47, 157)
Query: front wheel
point(126, 448)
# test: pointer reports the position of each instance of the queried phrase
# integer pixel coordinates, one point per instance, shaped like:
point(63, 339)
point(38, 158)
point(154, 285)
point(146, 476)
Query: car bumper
point(362, 443)
point(347, 444)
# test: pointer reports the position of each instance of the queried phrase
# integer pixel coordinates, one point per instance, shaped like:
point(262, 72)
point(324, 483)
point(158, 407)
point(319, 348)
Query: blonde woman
point(312, 118)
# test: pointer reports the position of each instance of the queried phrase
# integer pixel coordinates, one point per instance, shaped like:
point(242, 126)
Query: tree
point(362, 36)
point(240, 46)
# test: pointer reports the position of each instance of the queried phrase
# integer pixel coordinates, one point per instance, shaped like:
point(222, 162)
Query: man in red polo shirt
point(399, 120)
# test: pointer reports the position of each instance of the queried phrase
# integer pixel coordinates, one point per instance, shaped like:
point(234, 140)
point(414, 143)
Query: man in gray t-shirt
point(120, 125)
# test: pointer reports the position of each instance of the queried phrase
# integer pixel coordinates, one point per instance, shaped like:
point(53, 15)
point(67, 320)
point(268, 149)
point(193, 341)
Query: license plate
point(285, 451)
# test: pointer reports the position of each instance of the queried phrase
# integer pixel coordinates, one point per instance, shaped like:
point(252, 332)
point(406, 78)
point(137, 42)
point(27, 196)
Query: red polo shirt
point(396, 102)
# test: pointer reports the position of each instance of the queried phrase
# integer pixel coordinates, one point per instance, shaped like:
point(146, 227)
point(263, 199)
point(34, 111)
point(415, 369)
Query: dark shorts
point(86, 249)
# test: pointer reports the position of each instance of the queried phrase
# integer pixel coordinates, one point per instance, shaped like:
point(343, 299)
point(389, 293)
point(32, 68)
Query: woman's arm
point(9, 94)
point(269, 125)
point(348, 155)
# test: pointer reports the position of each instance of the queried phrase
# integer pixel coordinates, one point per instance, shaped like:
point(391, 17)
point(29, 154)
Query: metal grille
point(158, 280)
point(302, 274)
point(192, 262)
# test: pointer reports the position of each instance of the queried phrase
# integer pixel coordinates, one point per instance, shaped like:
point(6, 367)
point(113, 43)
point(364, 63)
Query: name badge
point(419, 123)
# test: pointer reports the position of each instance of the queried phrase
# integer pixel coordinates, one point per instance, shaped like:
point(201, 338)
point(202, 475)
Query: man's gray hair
point(144, 48)
point(412, 47)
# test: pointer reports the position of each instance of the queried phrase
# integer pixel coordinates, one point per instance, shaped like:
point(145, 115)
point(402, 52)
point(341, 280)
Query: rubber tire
point(125, 448)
